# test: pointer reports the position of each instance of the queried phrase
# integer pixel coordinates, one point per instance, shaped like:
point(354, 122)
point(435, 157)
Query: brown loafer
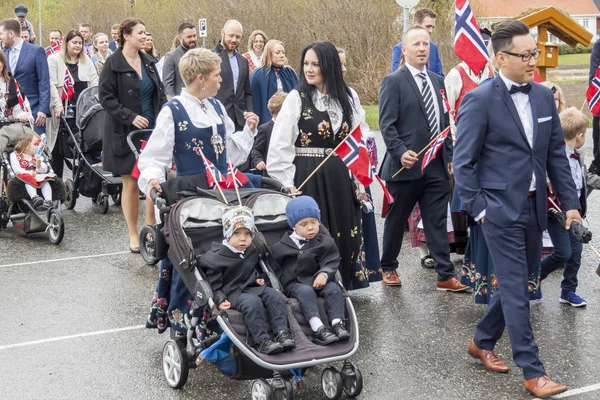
point(543, 387)
point(391, 278)
point(452, 285)
point(488, 357)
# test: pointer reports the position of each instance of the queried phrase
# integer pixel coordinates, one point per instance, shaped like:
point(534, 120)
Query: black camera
point(579, 232)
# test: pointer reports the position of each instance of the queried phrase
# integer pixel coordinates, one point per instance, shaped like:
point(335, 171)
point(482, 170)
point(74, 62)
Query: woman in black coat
point(132, 94)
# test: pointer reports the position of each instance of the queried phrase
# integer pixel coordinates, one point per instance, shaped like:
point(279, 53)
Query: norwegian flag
point(54, 47)
point(234, 177)
point(214, 177)
point(435, 147)
point(353, 153)
point(23, 102)
point(593, 94)
point(468, 42)
point(68, 89)
point(445, 101)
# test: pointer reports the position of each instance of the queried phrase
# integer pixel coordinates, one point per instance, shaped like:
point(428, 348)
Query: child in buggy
point(232, 270)
point(33, 169)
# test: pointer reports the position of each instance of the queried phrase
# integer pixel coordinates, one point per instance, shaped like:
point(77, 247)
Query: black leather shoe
point(36, 202)
point(269, 347)
point(323, 336)
point(339, 330)
point(284, 338)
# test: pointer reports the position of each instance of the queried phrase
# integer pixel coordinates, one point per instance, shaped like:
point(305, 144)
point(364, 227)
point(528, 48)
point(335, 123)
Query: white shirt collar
point(296, 239)
point(414, 70)
point(508, 82)
point(233, 249)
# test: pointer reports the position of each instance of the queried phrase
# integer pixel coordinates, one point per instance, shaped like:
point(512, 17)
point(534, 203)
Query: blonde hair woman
point(70, 59)
point(101, 50)
point(256, 45)
point(274, 76)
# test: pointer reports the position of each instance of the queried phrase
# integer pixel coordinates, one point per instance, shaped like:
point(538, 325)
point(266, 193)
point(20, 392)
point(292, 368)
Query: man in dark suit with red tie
point(509, 139)
point(411, 114)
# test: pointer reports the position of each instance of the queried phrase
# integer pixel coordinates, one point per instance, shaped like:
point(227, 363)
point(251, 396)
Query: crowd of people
point(483, 196)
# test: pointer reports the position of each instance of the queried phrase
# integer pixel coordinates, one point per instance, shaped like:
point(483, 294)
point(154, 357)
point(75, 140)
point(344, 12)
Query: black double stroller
point(190, 225)
point(89, 178)
point(15, 205)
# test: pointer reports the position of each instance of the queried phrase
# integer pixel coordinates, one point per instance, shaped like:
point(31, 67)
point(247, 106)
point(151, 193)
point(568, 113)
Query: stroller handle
point(158, 201)
point(133, 134)
point(8, 121)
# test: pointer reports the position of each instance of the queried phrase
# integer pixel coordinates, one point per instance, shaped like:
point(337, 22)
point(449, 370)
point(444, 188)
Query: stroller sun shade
point(90, 119)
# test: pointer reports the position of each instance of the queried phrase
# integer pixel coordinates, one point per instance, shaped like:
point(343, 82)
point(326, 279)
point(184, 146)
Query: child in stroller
point(233, 272)
point(33, 169)
point(309, 260)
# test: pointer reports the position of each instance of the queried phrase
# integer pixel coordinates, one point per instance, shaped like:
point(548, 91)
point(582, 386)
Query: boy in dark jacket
point(309, 260)
point(232, 269)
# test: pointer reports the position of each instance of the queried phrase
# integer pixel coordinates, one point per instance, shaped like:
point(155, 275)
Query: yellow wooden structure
point(552, 20)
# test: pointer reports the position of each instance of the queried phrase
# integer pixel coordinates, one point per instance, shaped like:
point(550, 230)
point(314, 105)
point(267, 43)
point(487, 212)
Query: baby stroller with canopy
point(190, 227)
point(15, 205)
point(89, 178)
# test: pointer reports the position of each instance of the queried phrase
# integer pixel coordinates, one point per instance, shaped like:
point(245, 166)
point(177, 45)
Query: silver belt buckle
point(328, 151)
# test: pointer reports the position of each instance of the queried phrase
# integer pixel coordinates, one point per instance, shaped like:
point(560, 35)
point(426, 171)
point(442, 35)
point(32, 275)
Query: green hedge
point(566, 49)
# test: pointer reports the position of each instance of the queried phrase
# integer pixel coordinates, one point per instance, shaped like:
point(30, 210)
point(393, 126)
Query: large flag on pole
point(593, 94)
point(468, 42)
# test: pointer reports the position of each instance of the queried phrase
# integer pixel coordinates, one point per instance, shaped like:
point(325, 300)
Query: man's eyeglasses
point(525, 56)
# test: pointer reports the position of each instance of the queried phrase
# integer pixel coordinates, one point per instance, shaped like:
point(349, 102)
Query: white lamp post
point(407, 5)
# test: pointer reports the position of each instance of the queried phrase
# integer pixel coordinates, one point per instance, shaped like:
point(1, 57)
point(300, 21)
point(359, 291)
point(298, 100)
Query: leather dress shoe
point(543, 387)
point(488, 357)
point(391, 278)
point(452, 285)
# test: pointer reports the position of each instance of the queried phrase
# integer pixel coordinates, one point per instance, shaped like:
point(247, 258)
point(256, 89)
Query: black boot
point(323, 336)
point(269, 347)
point(340, 331)
point(36, 202)
point(285, 339)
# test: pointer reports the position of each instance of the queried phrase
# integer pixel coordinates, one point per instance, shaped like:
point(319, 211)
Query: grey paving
point(413, 338)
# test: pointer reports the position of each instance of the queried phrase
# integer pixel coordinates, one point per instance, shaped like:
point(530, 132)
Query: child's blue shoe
point(572, 299)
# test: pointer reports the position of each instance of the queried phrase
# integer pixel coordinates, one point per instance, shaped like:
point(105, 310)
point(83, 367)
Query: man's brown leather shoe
point(488, 357)
point(543, 387)
point(452, 285)
point(391, 278)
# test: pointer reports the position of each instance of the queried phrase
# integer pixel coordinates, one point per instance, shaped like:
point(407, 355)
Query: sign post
point(407, 5)
point(202, 31)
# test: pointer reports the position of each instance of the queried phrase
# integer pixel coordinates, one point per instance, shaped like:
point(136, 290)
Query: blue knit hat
point(301, 207)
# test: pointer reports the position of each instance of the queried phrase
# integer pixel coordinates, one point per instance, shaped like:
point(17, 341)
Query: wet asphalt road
point(413, 339)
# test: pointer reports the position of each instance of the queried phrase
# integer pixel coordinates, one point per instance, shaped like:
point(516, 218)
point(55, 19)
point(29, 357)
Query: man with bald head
point(235, 91)
point(411, 114)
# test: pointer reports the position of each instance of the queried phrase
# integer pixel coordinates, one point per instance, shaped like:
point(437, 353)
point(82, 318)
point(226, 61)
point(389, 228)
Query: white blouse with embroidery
point(16, 110)
point(157, 157)
point(280, 159)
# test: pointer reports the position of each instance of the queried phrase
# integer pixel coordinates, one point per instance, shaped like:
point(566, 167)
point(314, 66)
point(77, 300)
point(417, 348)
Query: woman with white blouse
point(313, 120)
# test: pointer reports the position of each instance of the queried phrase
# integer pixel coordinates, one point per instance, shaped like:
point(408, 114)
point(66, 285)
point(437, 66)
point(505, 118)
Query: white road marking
point(574, 392)
point(64, 259)
point(80, 335)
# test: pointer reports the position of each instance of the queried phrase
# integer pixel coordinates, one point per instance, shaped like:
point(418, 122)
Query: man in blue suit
point(29, 66)
point(508, 138)
point(426, 19)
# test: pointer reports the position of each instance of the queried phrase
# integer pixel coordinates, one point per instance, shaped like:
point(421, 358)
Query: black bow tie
point(525, 89)
point(302, 242)
point(575, 156)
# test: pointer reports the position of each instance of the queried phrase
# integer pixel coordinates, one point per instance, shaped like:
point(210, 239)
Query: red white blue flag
point(54, 47)
point(68, 86)
point(353, 153)
point(234, 177)
point(435, 147)
point(214, 177)
point(593, 94)
point(468, 42)
point(23, 102)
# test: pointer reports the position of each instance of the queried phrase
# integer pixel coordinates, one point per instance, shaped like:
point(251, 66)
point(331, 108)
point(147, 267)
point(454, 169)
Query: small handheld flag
point(68, 86)
point(435, 147)
point(234, 174)
point(54, 47)
point(593, 94)
point(214, 177)
point(354, 154)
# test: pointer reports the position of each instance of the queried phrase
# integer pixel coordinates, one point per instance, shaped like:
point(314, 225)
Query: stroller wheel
point(261, 390)
point(56, 227)
point(116, 198)
point(331, 381)
point(175, 364)
point(352, 378)
point(148, 245)
point(101, 205)
point(71, 195)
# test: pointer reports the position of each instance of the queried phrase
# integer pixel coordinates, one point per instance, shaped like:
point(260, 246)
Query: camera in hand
point(579, 232)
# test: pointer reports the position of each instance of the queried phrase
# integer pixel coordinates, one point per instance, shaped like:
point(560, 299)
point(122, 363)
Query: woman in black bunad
point(313, 120)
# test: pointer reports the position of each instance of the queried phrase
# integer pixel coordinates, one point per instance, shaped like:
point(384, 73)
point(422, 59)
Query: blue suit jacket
point(493, 161)
point(435, 63)
point(33, 77)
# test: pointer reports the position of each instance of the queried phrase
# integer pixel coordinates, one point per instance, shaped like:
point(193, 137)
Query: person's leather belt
point(313, 151)
point(531, 193)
